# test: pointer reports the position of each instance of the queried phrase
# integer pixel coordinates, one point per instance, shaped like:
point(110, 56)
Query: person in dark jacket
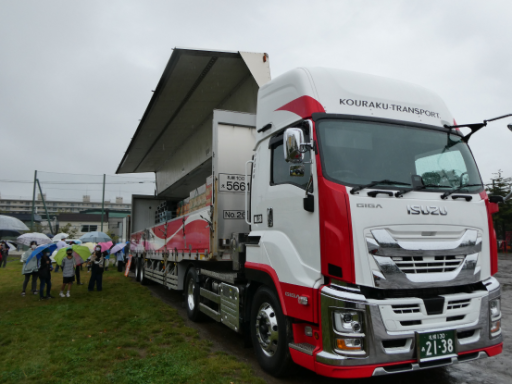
point(4, 252)
point(45, 276)
point(97, 267)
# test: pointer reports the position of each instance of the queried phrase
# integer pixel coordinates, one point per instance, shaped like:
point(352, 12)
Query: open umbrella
point(38, 252)
point(105, 246)
point(59, 236)
point(80, 254)
point(95, 237)
point(39, 238)
point(11, 226)
point(118, 247)
point(91, 246)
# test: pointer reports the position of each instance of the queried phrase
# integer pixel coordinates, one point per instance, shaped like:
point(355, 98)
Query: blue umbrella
point(95, 237)
point(38, 252)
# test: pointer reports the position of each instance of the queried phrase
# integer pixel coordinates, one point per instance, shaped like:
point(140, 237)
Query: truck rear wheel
point(270, 333)
point(142, 278)
point(192, 295)
point(137, 269)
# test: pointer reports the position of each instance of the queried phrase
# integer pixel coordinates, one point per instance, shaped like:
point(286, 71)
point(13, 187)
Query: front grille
point(457, 304)
point(427, 264)
point(406, 308)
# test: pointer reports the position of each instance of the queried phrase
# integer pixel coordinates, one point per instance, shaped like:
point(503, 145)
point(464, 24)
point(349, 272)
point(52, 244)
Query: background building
point(59, 206)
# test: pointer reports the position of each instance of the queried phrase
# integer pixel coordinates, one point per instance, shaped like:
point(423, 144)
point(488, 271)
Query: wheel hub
point(267, 329)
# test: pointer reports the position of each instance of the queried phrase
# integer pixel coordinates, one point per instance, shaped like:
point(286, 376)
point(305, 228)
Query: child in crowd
point(68, 272)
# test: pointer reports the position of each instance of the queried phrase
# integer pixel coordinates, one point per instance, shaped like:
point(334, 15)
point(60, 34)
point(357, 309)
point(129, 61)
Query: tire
point(192, 295)
point(137, 269)
point(270, 333)
point(142, 273)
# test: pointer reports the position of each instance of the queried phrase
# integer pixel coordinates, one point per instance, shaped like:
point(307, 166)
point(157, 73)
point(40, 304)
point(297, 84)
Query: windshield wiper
point(420, 187)
point(448, 193)
point(374, 183)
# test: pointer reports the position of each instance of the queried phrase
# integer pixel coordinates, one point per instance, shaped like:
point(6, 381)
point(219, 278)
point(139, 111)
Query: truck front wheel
point(270, 333)
point(192, 295)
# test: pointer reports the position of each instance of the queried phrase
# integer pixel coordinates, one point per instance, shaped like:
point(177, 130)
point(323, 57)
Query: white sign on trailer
point(232, 183)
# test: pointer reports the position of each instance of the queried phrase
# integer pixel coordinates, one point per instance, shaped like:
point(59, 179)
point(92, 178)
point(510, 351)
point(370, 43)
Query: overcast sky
point(76, 77)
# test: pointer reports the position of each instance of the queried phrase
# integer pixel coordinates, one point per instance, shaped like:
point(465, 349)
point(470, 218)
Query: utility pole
point(33, 201)
point(103, 203)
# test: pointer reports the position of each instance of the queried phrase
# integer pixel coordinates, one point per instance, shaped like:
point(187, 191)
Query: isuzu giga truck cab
point(338, 220)
point(373, 218)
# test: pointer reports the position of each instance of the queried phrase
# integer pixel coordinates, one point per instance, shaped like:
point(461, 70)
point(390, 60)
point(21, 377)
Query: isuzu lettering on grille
point(426, 210)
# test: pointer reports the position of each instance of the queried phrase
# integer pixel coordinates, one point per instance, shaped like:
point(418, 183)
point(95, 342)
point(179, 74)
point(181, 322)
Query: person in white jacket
point(30, 269)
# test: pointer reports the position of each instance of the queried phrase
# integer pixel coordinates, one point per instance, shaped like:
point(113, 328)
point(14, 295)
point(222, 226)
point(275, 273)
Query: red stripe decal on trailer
point(303, 106)
point(493, 247)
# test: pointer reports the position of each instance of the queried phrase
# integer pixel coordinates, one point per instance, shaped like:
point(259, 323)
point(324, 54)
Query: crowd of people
point(42, 268)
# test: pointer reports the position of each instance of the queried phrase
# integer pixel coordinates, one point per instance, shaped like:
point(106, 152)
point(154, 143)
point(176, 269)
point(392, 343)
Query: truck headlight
point(495, 317)
point(348, 322)
point(348, 328)
point(495, 308)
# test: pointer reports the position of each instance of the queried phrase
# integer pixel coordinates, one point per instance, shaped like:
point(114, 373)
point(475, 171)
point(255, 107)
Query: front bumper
point(381, 354)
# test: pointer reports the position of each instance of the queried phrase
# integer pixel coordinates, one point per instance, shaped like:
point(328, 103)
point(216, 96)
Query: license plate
point(435, 345)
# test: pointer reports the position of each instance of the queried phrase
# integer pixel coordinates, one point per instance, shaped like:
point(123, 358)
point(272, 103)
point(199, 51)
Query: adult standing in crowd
point(78, 268)
point(4, 252)
point(97, 267)
point(29, 269)
point(68, 272)
point(120, 261)
point(60, 244)
point(45, 276)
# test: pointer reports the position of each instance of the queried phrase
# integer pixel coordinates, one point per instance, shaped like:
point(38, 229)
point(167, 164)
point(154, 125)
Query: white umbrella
point(12, 224)
point(59, 236)
point(95, 237)
point(39, 238)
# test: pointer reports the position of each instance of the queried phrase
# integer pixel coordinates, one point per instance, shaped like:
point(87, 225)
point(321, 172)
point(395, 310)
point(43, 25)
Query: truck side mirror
point(293, 138)
point(496, 199)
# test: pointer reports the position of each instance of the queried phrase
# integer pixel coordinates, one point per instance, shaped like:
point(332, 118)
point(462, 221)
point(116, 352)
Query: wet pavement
point(493, 370)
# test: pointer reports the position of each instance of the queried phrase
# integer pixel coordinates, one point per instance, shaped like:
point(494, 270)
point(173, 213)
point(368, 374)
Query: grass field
point(119, 335)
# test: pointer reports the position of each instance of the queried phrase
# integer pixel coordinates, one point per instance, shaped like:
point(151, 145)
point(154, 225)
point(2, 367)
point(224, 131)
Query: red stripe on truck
point(289, 294)
point(337, 250)
point(303, 106)
point(493, 242)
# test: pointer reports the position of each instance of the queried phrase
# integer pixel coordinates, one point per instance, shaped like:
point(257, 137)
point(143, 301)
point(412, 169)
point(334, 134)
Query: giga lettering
point(393, 107)
point(426, 210)
point(289, 294)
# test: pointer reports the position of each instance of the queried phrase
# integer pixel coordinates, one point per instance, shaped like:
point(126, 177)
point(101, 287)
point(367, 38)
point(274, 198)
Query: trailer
point(335, 219)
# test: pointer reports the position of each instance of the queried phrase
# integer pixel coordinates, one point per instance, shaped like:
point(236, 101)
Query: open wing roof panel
point(194, 83)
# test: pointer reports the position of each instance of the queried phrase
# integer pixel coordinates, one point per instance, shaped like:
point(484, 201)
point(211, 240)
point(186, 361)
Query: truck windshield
point(361, 152)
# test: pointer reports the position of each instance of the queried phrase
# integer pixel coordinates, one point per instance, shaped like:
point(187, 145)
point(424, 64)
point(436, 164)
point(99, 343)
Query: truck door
point(289, 234)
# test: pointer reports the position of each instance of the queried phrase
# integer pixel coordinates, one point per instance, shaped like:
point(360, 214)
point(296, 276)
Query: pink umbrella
point(105, 246)
point(118, 247)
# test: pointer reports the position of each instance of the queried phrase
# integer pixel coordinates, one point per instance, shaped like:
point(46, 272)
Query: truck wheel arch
point(262, 274)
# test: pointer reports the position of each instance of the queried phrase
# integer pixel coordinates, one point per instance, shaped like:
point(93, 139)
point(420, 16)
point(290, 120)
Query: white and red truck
point(336, 219)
